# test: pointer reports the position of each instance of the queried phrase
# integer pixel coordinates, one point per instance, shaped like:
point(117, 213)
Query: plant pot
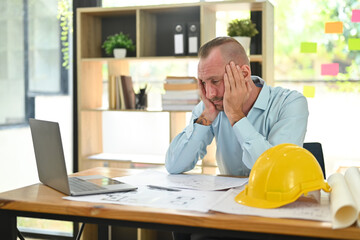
point(245, 42)
point(119, 52)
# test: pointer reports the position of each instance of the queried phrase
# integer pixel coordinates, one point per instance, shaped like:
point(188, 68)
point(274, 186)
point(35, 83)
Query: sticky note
point(355, 17)
point(333, 27)
point(308, 47)
point(354, 44)
point(331, 69)
point(309, 91)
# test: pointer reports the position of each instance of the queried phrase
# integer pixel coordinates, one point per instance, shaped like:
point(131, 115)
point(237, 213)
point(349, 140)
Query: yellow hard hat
point(280, 176)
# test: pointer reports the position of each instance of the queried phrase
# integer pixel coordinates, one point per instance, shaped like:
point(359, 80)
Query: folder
point(193, 32)
point(179, 39)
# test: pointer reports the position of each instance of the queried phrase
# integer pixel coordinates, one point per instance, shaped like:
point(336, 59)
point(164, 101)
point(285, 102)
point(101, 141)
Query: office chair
point(316, 149)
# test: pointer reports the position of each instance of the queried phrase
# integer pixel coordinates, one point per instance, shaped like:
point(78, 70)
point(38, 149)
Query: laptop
point(51, 166)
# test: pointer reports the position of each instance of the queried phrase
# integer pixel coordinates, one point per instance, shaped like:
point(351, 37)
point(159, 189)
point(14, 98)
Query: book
point(120, 100)
point(121, 92)
point(112, 92)
point(180, 80)
point(181, 94)
point(185, 107)
point(177, 87)
point(128, 91)
point(180, 102)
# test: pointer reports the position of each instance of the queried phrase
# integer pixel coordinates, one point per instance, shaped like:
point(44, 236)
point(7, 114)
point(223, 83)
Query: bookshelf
point(151, 29)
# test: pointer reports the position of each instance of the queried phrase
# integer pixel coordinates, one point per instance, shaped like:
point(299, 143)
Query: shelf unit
point(152, 29)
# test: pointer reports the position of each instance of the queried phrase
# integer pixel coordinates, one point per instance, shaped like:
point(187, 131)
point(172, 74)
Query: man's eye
point(203, 83)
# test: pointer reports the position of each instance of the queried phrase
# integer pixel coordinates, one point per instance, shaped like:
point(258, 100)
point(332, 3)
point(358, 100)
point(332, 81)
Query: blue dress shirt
point(278, 116)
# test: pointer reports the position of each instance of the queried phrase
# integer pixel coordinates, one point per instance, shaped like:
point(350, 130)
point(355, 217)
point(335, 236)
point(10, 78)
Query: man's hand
point(210, 112)
point(237, 92)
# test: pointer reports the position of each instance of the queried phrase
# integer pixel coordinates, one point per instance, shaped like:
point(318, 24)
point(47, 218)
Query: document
point(345, 198)
point(188, 200)
point(183, 181)
point(310, 210)
point(195, 193)
point(341, 206)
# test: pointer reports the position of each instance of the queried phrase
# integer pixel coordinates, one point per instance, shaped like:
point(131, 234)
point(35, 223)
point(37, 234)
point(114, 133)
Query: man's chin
point(219, 107)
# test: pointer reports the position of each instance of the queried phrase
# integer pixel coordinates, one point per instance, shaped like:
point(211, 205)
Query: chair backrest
point(316, 149)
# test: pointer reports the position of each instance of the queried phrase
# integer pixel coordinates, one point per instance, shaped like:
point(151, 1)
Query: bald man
point(243, 113)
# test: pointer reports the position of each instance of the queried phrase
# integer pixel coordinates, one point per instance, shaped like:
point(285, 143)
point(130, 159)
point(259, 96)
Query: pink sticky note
point(355, 17)
point(331, 69)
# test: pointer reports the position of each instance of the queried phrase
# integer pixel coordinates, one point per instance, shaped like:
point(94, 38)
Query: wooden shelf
point(133, 110)
point(253, 58)
point(151, 28)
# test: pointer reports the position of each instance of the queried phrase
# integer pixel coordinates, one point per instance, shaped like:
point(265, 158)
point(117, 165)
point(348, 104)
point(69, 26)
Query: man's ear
point(245, 70)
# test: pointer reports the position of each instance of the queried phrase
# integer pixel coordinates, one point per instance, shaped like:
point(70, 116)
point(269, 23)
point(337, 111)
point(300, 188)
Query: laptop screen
point(49, 154)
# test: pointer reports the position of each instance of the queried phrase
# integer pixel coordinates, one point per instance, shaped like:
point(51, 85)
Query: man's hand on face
point(237, 92)
point(210, 112)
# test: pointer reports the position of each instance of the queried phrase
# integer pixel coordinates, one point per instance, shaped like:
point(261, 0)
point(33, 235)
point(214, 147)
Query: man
point(243, 113)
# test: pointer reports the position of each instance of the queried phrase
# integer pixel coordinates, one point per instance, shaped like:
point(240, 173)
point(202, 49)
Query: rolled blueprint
point(352, 178)
point(342, 205)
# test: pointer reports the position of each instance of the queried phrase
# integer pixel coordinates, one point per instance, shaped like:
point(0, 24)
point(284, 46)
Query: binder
point(193, 32)
point(179, 39)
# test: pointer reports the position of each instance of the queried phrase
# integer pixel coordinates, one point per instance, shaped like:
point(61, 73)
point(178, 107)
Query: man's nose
point(210, 91)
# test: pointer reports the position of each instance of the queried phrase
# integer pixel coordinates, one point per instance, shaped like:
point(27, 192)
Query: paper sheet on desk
point(190, 200)
point(298, 209)
point(184, 181)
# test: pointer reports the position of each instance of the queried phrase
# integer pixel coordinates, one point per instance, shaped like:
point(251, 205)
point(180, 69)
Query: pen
point(163, 188)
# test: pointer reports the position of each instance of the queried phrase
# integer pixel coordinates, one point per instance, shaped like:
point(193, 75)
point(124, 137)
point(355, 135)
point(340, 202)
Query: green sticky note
point(308, 47)
point(309, 91)
point(354, 44)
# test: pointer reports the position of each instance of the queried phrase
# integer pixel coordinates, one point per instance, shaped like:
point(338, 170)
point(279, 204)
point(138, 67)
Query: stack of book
point(181, 93)
point(121, 92)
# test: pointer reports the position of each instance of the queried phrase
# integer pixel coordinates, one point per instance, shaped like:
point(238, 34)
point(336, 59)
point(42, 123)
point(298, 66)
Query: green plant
point(65, 15)
point(119, 40)
point(242, 27)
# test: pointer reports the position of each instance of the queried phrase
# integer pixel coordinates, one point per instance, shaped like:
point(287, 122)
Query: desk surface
point(44, 200)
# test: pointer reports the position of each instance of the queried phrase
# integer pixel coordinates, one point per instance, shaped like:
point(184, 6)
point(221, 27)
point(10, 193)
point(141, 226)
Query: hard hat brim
point(246, 200)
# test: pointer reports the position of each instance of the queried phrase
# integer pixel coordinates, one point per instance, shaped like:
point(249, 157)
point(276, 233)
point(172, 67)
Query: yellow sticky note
point(308, 47)
point(309, 91)
point(333, 27)
point(354, 44)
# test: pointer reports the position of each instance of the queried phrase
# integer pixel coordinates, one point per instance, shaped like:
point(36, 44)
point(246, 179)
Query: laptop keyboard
point(79, 185)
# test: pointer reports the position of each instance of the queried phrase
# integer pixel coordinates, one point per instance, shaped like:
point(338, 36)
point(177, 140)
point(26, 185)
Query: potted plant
point(118, 44)
point(242, 30)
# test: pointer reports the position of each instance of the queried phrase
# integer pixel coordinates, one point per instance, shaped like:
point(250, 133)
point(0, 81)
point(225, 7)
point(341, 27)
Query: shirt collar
point(263, 98)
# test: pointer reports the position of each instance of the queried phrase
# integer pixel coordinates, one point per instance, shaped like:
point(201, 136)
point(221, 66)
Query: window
point(30, 57)
point(34, 82)
point(333, 120)
point(12, 84)
point(304, 21)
